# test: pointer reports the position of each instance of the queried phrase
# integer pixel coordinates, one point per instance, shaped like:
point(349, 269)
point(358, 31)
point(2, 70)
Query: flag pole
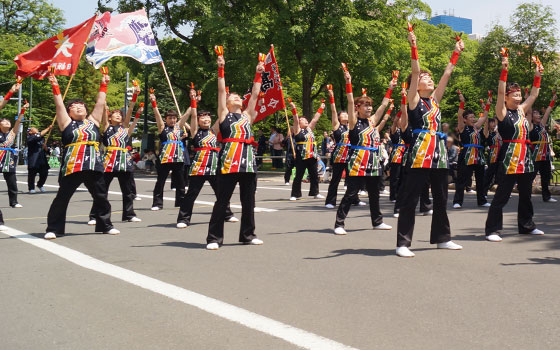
point(172, 93)
point(286, 112)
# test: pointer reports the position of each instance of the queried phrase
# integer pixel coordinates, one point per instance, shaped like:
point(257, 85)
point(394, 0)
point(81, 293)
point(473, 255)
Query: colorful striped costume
point(171, 146)
point(493, 142)
point(8, 155)
point(237, 153)
point(116, 156)
point(515, 153)
point(205, 161)
point(342, 141)
point(81, 148)
point(428, 149)
point(540, 142)
point(305, 144)
point(364, 140)
point(398, 154)
point(472, 151)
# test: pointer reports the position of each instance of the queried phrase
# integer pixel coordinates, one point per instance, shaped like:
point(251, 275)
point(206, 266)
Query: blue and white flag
point(126, 34)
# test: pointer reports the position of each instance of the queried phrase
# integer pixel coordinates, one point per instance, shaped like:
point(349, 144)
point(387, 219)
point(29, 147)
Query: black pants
point(125, 183)
point(133, 184)
point(544, 168)
point(95, 183)
point(32, 172)
point(277, 162)
point(185, 177)
point(176, 176)
point(311, 165)
point(337, 170)
point(1, 218)
point(525, 224)
point(196, 183)
point(425, 202)
point(11, 183)
point(464, 175)
point(490, 176)
point(226, 186)
point(290, 164)
point(394, 180)
point(354, 185)
point(415, 181)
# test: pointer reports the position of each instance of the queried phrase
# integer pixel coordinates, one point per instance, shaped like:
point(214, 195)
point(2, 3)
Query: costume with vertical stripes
point(340, 153)
point(237, 155)
point(493, 142)
point(205, 161)
point(364, 159)
point(540, 142)
point(472, 151)
point(305, 144)
point(81, 148)
point(515, 153)
point(171, 146)
point(427, 149)
point(398, 154)
point(8, 155)
point(117, 157)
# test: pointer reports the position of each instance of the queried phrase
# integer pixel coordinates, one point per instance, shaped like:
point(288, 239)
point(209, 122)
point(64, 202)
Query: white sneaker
point(32, 191)
point(362, 204)
point(42, 189)
point(155, 208)
point(345, 188)
point(256, 241)
point(329, 206)
point(134, 219)
point(293, 198)
point(494, 238)
point(49, 235)
point(233, 219)
point(384, 192)
point(3, 227)
point(393, 201)
point(18, 205)
point(340, 231)
point(181, 225)
point(395, 215)
point(449, 245)
point(551, 200)
point(112, 231)
point(319, 196)
point(456, 206)
point(382, 226)
point(428, 213)
point(471, 191)
point(404, 252)
point(486, 205)
point(137, 198)
point(362, 193)
point(537, 232)
point(213, 246)
point(92, 222)
point(287, 184)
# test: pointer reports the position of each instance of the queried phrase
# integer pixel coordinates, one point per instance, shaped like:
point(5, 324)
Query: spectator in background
point(452, 156)
point(261, 148)
point(276, 148)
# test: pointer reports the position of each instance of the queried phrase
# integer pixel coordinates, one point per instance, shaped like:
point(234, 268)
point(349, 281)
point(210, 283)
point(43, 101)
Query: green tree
point(38, 19)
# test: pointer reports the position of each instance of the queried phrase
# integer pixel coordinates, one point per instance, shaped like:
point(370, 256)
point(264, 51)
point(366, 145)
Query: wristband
point(56, 90)
point(154, 103)
point(332, 100)
point(134, 97)
point(22, 111)
point(454, 58)
point(294, 111)
point(537, 82)
point(137, 115)
point(462, 105)
point(398, 115)
point(388, 93)
point(221, 72)
point(487, 108)
point(103, 88)
point(403, 100)
point(551, 105)
point(320, 110)
point(258, 78)
point(503, 75)
point(193, 103)
point(414, 53)
point(348, 88)
point(9, 95)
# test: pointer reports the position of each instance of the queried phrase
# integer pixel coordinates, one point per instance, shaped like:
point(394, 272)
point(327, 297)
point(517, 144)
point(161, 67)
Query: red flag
point(62, 51)
point(271, 87)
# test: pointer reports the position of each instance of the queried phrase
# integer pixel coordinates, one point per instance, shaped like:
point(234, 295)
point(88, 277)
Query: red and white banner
point(271, 88)
point(62, 51)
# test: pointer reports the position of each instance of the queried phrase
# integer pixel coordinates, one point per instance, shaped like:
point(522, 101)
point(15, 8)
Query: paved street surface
point(156, 287)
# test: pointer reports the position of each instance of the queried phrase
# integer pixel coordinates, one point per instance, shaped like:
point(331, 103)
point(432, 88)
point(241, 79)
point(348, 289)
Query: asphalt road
point(156, 287)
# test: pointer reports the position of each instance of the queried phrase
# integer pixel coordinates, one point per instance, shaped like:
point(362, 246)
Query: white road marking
point(257, 209)
point(293, 335)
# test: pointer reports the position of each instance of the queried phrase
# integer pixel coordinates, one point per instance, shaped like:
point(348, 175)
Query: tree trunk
point(306, 84)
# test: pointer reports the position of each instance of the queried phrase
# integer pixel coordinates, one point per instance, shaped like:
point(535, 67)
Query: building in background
point(458, 24)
